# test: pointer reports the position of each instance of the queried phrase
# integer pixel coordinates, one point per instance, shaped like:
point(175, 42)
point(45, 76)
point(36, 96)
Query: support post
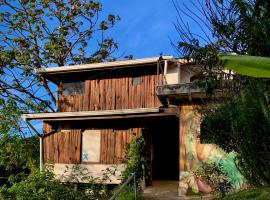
point(41, 154)
point(165, 71)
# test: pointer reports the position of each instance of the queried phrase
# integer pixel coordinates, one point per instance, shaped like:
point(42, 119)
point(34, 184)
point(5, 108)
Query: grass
point(259, 193)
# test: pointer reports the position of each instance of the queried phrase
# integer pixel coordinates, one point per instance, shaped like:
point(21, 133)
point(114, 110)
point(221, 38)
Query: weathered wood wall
point(113, 144)
point(113, 93)
point(65, 147)
point(62, 147)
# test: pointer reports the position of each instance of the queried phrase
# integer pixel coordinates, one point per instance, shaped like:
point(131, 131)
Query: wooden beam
point(89, 114)
point(109, 117)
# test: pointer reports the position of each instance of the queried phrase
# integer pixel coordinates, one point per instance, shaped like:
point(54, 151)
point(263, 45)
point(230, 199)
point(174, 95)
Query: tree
point(242, 123)
point(44, 33)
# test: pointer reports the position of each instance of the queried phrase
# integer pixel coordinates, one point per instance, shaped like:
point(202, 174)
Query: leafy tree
point(242, 123)
point(18, 157)
point(45, 33)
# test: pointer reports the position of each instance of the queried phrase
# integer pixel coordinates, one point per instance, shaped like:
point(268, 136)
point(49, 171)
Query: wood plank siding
point(65, 147)
point(62, 147)
point(114, 93)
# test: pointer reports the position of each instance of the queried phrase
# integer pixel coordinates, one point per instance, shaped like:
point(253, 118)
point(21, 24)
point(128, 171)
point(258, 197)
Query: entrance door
point(165, 149)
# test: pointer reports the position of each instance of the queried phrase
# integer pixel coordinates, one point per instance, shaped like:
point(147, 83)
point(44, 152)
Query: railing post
point(135, 187)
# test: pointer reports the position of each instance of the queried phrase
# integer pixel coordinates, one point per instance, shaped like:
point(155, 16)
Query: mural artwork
point(193, 153)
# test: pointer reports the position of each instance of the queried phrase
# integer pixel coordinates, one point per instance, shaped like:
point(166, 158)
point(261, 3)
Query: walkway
point(167, 190)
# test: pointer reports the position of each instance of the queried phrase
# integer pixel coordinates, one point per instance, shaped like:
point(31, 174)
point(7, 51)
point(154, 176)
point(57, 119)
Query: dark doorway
point(165, 148)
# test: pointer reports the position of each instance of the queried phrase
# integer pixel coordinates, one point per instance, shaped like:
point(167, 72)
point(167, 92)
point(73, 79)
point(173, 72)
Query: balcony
point(175, 94)
point(182, 91)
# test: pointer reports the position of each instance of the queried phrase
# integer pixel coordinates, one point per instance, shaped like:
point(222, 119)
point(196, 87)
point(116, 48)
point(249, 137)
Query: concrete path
point(167, 190)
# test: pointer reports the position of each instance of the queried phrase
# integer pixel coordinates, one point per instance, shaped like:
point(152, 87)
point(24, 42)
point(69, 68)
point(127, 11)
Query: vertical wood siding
point(62, 147)
point(65, 147)
point(114, 93)
point(113, 144)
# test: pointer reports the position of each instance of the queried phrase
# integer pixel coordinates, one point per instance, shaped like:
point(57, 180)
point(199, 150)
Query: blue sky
point(146, 26)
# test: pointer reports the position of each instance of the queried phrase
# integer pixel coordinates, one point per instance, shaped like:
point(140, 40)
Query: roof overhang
point(55, 74)
point(91, 115)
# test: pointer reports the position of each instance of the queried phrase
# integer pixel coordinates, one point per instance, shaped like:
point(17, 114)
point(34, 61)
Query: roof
point(96, 66)
point(87, 115)
point(74, 73)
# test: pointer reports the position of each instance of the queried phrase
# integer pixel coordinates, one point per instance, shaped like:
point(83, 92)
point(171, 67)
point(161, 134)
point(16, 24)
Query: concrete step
point(168, 190)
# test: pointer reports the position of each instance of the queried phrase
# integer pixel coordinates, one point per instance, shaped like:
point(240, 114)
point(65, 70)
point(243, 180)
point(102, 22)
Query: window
point(73, 88)
point(91, 146)
point(136, 81)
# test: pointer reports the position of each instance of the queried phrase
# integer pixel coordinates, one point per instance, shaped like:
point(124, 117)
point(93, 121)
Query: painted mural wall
point(193, 153)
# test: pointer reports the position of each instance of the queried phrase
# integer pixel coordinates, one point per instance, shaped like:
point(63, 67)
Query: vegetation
point(242, 123)
point(41, 34)
point(259, 193)
point(128, 194)
point(136, 158)
point(45, 33)
point(254, 66)
point(43, 185)
point(18, 157)
point(213, 175)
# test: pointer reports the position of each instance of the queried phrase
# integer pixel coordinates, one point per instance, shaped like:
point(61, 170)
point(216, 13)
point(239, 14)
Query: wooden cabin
point(101, 106)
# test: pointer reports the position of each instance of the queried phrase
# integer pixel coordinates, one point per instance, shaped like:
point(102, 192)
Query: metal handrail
point(130, 178)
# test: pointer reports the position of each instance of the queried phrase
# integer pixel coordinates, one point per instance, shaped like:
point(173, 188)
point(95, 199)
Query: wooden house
point(101, 106)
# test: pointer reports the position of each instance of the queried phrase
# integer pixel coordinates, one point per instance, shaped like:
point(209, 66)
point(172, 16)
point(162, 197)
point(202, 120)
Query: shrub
point(40, 186)
point(43, 185)
point(242, 125)
point(136, 158)
point(211, 174)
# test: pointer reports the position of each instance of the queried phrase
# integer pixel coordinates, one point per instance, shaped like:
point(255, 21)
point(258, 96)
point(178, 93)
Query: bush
point(18, 157)
point(242, 125)
point(136, 158)
point(211, 174)
point(40, 186)
point(43, 185)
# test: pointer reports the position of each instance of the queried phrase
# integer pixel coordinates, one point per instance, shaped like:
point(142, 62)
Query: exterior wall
point(65, 172)
point(65, 147)
point(185, 76)
point(114, 93)
point(193, 153)
point(172, 75)
point(62, 147)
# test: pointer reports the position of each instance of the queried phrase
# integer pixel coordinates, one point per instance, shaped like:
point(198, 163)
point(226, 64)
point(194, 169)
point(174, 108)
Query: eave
point(90, 115)
point(57, 74)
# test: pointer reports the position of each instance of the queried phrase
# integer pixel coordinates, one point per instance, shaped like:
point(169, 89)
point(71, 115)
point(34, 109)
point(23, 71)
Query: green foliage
point(9, 114)
point(128, 194)
point(43, 185)
point(136, 158)
point(229, 168)
point(260, 193)
point(40, 186)
point(213, 176)
point(254, 66)
point(242, 125)
point(18, 156)
point(47, 33)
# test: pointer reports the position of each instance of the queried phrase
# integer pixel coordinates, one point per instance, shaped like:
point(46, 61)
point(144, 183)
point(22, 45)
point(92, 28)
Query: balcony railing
point(182, 90)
